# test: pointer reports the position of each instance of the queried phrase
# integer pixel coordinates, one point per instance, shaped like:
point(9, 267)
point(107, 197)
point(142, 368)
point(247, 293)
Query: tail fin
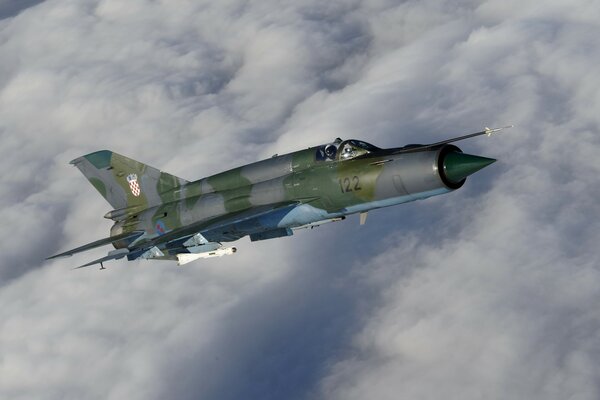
point(126, 183)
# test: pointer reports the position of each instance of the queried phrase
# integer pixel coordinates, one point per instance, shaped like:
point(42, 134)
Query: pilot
point(348, 151)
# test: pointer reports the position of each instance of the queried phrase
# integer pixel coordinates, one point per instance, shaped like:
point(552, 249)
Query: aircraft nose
point(457, 166)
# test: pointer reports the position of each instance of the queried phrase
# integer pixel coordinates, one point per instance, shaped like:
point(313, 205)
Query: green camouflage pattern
point(159, 216)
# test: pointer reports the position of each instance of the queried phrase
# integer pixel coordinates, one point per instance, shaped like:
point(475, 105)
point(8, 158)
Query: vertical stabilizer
point(124, 182)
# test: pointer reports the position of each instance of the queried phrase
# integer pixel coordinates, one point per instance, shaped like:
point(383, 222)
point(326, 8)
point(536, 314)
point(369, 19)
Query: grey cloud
point(504, 308)
point(10, 8)
point(163, 78)
point(486, 292)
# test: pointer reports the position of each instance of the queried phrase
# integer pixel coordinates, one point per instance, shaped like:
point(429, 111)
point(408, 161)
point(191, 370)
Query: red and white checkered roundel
point(134, 185)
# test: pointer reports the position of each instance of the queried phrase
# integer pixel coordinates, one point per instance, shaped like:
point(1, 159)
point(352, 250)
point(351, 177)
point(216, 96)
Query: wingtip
point(88, 264)
point(54, 257)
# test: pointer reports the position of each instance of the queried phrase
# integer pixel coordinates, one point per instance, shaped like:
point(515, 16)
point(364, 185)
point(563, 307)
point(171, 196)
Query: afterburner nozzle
point(457, 166)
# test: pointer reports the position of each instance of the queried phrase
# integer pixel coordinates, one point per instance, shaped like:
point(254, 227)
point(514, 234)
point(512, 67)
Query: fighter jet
point(158, 216)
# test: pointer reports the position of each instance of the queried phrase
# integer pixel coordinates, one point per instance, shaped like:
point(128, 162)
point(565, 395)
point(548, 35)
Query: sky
point(487, 292)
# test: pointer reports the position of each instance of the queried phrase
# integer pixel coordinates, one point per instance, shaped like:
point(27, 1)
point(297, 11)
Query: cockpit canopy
point(344, 150)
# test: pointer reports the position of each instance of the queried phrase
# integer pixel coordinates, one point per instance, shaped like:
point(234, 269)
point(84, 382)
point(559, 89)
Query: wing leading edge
point(98, 243)
point(142, 246)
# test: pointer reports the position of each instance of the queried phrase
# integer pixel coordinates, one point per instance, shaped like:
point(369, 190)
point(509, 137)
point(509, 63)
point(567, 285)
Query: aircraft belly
point(392, 201)
point(304, 214)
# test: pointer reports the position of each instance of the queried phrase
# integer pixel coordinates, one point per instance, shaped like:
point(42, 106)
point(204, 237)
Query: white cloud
point(487, 292)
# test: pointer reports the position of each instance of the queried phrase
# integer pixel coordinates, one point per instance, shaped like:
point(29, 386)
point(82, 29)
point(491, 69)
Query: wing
point(113, 255)
point(214, 228)
point(217, 227)
point(99, 243)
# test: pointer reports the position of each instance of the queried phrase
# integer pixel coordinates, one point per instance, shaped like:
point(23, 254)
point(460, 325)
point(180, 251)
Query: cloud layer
point(488, 292)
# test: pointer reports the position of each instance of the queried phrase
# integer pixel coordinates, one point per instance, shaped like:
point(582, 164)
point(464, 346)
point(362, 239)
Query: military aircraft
point(159, 216)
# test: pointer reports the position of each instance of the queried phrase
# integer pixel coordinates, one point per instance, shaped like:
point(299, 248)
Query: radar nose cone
point(457, 166)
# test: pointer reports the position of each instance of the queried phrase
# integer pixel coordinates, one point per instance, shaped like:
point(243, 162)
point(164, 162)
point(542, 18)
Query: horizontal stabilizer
point(122, 214)
point(99, 243)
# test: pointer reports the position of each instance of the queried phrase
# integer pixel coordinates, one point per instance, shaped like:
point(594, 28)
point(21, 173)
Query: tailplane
point(126, 183)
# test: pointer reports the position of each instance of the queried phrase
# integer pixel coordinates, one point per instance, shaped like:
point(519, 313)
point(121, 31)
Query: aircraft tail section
point(126, 183)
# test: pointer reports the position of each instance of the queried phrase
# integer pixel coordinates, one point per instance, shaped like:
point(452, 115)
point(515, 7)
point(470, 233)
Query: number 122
point(349, 184)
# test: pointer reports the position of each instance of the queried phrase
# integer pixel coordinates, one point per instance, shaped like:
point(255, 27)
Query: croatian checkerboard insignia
point(134, 185)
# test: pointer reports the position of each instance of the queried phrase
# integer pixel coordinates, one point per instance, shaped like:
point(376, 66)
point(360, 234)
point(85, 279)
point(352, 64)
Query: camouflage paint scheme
point(158, 215)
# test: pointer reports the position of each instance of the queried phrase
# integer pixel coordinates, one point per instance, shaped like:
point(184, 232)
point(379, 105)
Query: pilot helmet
point(348, 151)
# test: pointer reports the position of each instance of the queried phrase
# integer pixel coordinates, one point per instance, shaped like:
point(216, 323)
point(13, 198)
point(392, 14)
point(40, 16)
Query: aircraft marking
point(134, 186)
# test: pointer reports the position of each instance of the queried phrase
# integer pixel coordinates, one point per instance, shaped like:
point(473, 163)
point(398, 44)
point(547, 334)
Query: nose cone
point(457, 166)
